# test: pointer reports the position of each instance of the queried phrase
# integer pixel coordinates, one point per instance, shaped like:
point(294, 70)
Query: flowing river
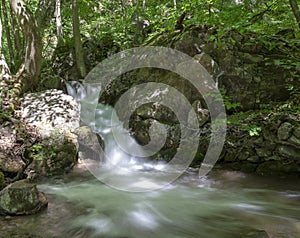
point(224, 204)
point(126, 203)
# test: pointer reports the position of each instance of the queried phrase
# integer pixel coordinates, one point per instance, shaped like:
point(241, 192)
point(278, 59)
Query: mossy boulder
point(52, 156)
point(54, 115)
point(21, 198)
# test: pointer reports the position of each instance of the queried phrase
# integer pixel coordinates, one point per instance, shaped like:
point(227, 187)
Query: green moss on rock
point(2, 181)
point(21, 198)
point(53, 157)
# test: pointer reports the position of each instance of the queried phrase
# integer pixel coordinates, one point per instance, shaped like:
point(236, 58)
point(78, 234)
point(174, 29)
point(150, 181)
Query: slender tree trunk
point(18, 43)
point(144, 6)
point(29, 73)
point(296, 11)
point(57, 14)
point(8, 36)
point(77, 41)
point(5, 77)
point(138, 26)
point(5, 74)
point(124, 15)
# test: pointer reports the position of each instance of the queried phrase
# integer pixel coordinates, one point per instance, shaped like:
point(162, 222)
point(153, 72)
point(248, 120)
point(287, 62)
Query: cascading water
point(138, 173)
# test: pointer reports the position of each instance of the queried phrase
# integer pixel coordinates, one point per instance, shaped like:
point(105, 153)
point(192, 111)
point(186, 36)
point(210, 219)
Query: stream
point(223, 204)
point(125, 197)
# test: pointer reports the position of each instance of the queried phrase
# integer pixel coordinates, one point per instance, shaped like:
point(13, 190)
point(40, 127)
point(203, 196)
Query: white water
point(118, 166)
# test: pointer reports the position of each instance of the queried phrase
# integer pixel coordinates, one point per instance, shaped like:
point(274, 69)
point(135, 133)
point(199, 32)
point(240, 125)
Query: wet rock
point(277, 167)
point(284, 131)
point(21, 198)
point(289, 152)
point(91, 145)
point(245, 166)
point(255, 234)
point(86, 135)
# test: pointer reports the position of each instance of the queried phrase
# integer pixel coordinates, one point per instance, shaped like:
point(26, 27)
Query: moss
point(2, 181)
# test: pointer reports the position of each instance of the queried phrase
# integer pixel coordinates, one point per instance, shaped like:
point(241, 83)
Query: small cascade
point(125, 165)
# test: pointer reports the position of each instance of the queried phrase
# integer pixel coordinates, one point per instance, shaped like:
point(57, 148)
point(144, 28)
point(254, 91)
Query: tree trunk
point(138, 26)
point(18, 42)
point(59, 28)
point(77, 41)
point(8, 36)
point(29, 73)
point(296, 11)
point(5, 74)
point(5, 77)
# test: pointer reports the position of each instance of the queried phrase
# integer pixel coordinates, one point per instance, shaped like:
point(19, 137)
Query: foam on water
point(119, 159)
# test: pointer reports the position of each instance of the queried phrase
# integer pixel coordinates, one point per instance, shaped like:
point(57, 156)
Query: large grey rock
point(55, 116)
point(21, 198)
point(50, 112)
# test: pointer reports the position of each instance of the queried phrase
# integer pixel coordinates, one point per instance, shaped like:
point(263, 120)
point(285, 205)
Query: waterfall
point(120, 169)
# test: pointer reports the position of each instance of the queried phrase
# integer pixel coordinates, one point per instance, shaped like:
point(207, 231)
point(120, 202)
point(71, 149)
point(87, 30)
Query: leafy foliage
point(122, 24)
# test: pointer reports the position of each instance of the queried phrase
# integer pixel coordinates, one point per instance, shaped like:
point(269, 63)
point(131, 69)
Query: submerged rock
point(21, 198)
point(256, 234)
